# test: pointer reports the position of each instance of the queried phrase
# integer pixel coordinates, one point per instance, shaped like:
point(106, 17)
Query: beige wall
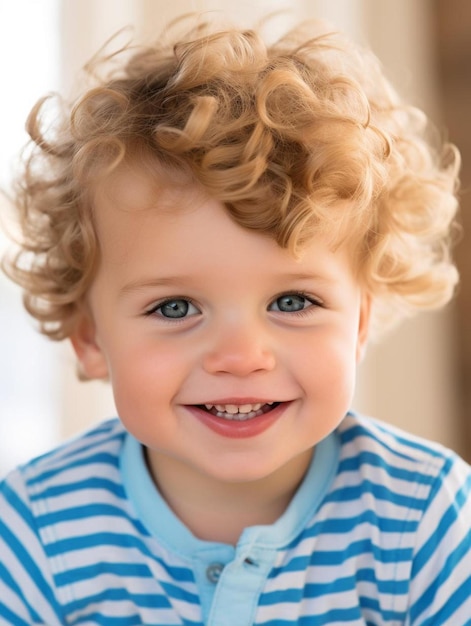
point(408, 379)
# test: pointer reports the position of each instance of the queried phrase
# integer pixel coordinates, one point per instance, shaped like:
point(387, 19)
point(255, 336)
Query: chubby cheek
point(145, 382)
point(328, 370)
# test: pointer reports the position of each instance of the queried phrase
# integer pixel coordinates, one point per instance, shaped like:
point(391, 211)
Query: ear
point(92, 361)
point(363, 326)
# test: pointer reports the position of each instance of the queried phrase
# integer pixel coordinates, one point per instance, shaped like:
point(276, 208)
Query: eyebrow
point(306, 276)
point(162, 281)
point(184, 280)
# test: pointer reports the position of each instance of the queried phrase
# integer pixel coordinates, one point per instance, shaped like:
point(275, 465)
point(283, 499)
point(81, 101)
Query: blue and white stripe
point(379, 533)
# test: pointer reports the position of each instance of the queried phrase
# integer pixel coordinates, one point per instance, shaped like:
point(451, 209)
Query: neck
point(219, 511)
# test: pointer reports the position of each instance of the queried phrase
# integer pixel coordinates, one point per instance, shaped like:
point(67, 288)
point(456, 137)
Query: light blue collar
point(167, 528)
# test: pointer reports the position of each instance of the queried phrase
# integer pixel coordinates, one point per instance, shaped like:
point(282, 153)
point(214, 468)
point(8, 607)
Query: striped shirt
point(378, 533)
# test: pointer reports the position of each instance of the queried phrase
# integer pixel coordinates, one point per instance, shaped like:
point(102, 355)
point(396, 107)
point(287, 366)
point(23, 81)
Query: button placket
point(240, 586)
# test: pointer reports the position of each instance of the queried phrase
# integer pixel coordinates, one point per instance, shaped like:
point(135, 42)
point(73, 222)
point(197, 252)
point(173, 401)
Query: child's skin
point(253, 325)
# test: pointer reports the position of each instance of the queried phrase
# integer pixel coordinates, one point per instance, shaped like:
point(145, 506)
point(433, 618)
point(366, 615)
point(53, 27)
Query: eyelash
point(153, 310)
point(313, 302)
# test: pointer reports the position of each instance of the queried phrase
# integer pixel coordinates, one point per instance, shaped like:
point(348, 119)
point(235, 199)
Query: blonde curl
point(301, 136)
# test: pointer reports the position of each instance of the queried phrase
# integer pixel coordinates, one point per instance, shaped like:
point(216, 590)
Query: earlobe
point(92, 361)
point(363, 326)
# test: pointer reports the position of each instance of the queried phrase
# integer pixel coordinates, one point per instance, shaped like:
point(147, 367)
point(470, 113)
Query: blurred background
point(418, 377)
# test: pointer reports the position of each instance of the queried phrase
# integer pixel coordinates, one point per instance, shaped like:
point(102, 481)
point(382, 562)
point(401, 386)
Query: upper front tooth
point(233, 409)
point(247, 408)
point(226, 408)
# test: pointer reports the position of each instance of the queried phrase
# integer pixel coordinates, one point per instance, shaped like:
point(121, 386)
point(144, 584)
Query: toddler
point(218, 225)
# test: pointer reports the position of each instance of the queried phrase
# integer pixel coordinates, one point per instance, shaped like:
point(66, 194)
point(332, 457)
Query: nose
point(239, 351)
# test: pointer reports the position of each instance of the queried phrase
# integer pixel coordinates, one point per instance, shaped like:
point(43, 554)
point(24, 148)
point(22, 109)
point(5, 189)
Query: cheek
point(144, 375)
point(327, 364)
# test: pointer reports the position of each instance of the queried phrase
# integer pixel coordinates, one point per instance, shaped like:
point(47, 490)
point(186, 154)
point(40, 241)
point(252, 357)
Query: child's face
point(191, 315)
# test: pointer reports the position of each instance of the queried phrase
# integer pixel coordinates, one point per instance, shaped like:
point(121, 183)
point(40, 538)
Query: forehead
point(141, 203)
point(145, 184)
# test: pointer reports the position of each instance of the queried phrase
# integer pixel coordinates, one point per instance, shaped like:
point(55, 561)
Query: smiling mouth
point(239, 413)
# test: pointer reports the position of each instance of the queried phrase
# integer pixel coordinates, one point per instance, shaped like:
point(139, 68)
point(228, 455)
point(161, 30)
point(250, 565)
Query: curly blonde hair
point(295, 137)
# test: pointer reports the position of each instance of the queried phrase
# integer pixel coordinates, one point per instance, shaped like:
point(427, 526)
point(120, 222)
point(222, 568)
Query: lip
point(234, 429)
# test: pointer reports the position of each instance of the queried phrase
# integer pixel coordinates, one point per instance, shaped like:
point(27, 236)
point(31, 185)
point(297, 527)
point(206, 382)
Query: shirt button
point(213, 572)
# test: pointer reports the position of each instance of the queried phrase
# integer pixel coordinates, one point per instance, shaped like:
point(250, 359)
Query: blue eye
point(291, 303)
point(175, 309)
